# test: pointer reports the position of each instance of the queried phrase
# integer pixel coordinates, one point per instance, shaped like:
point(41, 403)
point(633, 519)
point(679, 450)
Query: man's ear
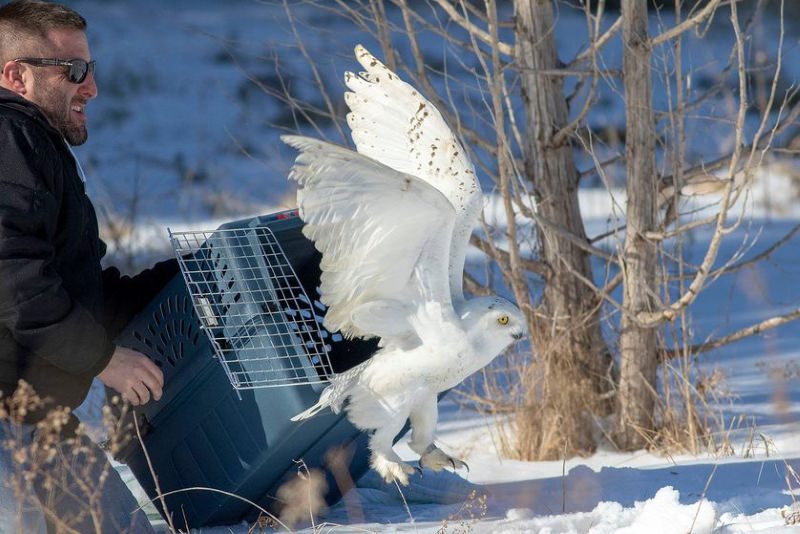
point(11, 78)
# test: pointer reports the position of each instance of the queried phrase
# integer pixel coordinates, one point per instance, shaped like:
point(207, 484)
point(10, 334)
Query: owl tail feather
point(322, 403)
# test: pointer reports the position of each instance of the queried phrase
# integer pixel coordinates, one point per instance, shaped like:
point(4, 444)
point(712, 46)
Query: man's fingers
point(134, 375)
point(153, 369)
point(132, 397)
point(154, 387)
point(140, 391)
point(145, 384)
point(152, 377)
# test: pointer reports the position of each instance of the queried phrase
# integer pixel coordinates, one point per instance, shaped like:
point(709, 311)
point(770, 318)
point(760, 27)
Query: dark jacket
point(59, 311)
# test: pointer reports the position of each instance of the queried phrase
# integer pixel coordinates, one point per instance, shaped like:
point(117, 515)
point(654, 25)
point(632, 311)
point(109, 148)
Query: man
point(59, 311)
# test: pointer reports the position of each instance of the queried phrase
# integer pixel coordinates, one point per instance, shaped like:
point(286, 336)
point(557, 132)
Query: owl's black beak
point(517, 335)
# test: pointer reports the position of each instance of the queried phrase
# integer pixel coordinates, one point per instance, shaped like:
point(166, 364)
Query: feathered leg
point(384, 460)
point(423, 428)
point(423, 420)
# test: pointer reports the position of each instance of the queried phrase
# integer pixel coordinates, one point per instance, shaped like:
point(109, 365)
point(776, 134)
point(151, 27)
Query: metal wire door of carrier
point(253, 308)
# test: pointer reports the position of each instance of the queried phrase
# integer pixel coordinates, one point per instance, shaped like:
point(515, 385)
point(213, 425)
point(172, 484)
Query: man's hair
point(24, 25)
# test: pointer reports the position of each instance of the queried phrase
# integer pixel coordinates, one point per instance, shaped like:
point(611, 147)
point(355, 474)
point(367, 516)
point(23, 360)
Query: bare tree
point(640, 254)
point(503, 88)
point(565, 327)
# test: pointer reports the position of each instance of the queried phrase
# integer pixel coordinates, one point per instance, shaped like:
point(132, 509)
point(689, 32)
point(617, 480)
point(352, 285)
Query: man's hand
point(134, 375)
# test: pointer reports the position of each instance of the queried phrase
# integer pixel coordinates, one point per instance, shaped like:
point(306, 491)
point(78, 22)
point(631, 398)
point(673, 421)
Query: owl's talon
point(436, 459)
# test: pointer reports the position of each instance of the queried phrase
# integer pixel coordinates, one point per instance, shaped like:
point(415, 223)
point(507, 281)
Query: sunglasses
point(77, 71)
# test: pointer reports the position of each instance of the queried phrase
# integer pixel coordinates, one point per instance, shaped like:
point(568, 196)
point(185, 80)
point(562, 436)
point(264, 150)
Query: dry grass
point(465, 518)
point(545, 408)
point(58, 459)
point(515, 392)
point(791, 514)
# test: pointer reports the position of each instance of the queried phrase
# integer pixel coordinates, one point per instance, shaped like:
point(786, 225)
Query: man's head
point(32, 30)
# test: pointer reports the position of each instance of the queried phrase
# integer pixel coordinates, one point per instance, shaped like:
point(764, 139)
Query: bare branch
point(668, 313)
point(502, 256)
point(772, 93)
point(677, 120)
point(736, 267)
point(569, 73)
point(474, 287)
point(598, 44)
point(610, 286)
point(591, 171)
point(661, 236)
point(703, 170)
point(687, 24)
point(565, 233)
point(517, 280)
point(313, 66)
point(603, 293)
point(383, 31)
point(436, 29)
point(763, 326)
point(567, 131)
point(304, 109)
point(482, 402)
point(504, 48)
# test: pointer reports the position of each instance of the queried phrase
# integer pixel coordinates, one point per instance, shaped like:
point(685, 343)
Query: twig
point(591, 171)
point(763, 326)
point(504, 48)
point(584, 244)
point(702, 497)
point(501, 255)
point(313, 66)
point(687, 24)
point(773, 91)
point(567, 131)
point(755, 259)
point(705, 168)
point(474, 287)
point(602, 40)
point(223, 492)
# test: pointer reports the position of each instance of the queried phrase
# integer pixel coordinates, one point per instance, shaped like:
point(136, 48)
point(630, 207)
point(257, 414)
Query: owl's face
point(496, 315)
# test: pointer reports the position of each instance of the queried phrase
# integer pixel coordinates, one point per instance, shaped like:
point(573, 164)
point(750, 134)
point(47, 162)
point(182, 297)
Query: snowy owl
point(393, 222)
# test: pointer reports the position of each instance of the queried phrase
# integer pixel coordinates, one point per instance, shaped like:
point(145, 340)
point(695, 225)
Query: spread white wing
point(395, 125)
point(384, 236)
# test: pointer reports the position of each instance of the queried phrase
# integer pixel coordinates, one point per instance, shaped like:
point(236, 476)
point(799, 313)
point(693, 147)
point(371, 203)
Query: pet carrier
point(240, 320)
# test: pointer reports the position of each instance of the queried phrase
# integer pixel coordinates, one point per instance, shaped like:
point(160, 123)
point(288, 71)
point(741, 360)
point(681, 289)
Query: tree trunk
point(636, 398)
point(566, 330)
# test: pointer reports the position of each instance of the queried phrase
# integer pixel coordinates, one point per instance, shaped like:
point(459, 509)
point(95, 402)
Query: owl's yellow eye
point(503, 320)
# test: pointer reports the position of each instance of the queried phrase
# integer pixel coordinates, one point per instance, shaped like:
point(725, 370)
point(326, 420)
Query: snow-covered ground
point(178, 139)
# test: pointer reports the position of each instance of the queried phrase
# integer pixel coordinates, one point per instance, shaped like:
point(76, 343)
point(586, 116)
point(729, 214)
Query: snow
point(165, 150)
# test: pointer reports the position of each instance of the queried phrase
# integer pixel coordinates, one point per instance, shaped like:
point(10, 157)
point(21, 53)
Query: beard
point(58, 112)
